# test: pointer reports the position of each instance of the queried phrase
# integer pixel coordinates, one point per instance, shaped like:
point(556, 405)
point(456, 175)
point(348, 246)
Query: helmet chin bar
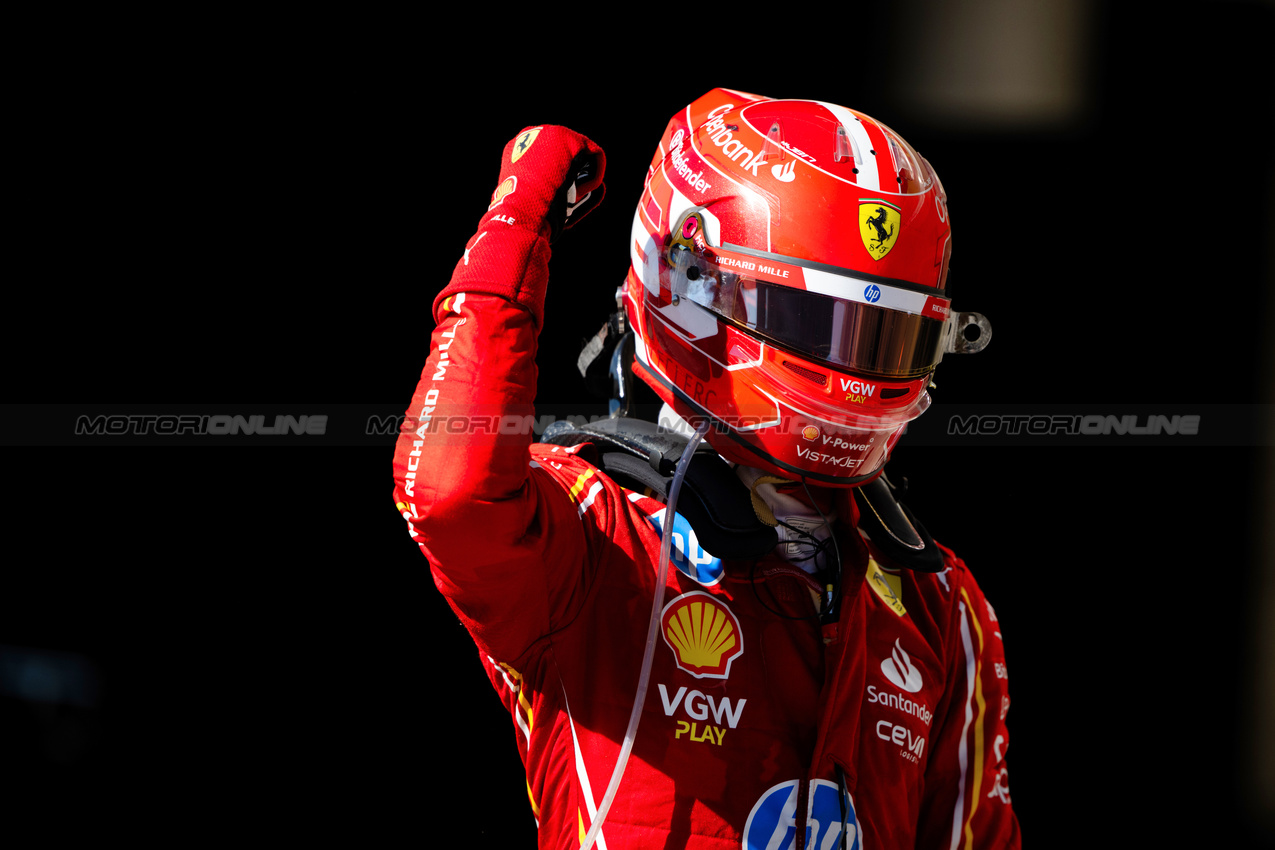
point(745, 451)
point(833, 428)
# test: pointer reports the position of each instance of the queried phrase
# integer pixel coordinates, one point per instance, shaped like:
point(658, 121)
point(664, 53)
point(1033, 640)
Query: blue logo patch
point(773, 820)
point(686, 553)
point(872, 293)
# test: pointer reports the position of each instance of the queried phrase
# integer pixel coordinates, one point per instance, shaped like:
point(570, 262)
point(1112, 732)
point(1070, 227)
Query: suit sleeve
point(505, 545)
point(966, 803)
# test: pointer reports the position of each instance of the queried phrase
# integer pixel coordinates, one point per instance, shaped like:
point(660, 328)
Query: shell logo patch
point(703, 633)
point(879, 226)
point(523, 143)
point(504, 190)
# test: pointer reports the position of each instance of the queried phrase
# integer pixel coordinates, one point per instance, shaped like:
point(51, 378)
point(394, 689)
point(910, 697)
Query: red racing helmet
point(788, 280)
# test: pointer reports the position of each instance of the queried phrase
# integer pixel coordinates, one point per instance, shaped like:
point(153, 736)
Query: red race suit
point(756, 717)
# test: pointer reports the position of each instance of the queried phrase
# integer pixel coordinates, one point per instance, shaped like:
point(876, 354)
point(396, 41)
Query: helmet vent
point(843, 151)
point(773, 146)
point(809, 374)
point(893, 392)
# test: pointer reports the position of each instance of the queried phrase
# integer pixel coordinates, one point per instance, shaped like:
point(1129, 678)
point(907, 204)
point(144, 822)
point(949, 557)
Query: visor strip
point(845, 286)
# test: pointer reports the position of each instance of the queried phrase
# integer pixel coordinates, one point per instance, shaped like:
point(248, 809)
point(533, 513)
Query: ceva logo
point(899, 670)
point(703, 633)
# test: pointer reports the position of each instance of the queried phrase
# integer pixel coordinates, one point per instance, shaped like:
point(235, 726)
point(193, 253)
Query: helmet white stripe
point(643, 254)
point(862, 143)
point(865, 292)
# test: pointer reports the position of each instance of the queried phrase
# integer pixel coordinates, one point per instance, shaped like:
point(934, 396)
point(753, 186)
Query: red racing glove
point(550, 178)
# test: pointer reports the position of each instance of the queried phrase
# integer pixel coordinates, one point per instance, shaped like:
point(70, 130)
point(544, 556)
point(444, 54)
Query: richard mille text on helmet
point(747, 642)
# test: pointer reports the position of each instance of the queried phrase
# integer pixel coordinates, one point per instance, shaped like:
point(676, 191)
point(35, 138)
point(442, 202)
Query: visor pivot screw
point(677, 299)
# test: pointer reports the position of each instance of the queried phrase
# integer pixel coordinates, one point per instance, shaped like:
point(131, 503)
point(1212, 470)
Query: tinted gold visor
point(857, 336)
point(860, 337)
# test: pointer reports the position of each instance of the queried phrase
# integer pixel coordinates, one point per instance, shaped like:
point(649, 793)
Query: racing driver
point(722, 630)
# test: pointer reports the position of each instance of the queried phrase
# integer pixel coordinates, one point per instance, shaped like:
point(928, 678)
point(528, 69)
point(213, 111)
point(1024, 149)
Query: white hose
point(652, 633)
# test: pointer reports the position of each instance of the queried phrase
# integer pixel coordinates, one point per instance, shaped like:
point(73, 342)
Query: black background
point(256, 217)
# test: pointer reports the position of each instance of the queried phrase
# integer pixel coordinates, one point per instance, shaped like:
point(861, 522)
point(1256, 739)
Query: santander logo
point(899, 670)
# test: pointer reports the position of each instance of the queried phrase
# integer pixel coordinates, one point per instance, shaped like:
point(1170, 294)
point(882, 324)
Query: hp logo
point(872, 293)
point(773, 820)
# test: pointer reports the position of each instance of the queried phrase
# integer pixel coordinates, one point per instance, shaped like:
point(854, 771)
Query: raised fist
point(549, 176)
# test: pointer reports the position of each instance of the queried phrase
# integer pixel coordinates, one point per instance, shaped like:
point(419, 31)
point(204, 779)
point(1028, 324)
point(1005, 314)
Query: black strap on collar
point(642, 456)
point(893, 529)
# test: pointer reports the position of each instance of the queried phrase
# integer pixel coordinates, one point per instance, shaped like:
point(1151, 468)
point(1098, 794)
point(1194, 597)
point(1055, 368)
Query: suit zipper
point(803, 802)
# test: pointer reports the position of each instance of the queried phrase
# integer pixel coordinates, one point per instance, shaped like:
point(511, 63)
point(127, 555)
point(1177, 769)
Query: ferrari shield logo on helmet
point(524, 141)
point(878, 226)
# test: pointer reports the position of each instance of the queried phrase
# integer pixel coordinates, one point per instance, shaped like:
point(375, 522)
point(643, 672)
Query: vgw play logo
point(772, 824)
